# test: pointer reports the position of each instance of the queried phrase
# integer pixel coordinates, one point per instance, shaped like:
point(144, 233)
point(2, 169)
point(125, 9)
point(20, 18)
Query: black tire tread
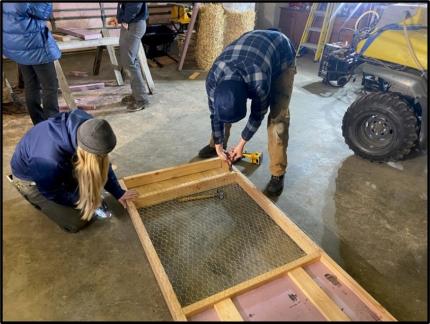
point(402, 109)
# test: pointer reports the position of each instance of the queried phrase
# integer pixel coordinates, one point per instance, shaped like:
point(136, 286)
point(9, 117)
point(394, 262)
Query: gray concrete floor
point(371, 218)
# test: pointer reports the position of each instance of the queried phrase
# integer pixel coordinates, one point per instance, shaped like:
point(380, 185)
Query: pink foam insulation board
point(207, 315)
point(347, 301)
point(277, 300)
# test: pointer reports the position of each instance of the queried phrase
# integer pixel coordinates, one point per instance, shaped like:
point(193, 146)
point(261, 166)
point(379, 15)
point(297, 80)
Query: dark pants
point(40, 77)
point(68, 218)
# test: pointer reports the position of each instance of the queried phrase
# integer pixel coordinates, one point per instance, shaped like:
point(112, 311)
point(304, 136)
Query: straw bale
point(210, 36)
point(236, 24)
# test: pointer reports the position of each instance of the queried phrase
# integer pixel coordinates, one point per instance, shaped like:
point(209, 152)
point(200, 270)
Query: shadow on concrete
point(377, 232)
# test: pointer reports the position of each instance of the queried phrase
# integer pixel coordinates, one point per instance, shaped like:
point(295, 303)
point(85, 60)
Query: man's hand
point(223, 155)
point(236, 152)
point(128, 195)
point(125, 25)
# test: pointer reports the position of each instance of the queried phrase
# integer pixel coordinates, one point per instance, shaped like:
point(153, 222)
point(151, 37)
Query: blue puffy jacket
point(26, 38)
point(44, 155)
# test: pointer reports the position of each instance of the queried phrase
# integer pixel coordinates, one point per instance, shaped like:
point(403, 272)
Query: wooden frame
point(170, 183)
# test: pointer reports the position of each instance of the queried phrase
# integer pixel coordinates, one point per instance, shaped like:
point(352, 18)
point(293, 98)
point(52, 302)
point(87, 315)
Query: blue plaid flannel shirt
point(257, 57)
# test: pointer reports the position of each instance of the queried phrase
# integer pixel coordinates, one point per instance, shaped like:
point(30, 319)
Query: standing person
point(61, 166)
point(132, 16)
point(28, 41)
point(260, 65)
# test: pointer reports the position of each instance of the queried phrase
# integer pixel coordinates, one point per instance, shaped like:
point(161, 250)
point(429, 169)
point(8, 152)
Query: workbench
point(91, 18)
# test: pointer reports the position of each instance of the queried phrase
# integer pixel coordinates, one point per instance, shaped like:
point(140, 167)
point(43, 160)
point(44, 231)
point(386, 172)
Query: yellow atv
point(391, 118)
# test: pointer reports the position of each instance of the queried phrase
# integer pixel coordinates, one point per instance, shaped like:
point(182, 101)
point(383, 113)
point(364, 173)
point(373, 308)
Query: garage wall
point(267, 14)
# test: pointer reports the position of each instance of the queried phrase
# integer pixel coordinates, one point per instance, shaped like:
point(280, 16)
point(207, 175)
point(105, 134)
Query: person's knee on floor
point(69, 193)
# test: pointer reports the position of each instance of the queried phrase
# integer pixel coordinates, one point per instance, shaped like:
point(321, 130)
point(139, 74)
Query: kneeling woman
point(61, 166)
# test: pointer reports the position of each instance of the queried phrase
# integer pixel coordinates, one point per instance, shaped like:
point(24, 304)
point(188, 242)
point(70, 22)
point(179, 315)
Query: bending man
point(260, 65)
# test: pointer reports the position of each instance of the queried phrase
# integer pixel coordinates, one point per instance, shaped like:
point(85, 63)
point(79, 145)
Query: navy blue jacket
point(130, 12)
point(26, 38)
point(44, 155)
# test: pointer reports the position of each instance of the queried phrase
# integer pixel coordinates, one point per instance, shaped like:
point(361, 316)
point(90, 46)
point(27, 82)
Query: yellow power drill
point(254, 157)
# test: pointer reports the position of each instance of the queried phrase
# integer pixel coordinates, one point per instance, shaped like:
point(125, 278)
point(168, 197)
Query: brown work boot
point(137, 105)
point(15, 107)
point(128, 99)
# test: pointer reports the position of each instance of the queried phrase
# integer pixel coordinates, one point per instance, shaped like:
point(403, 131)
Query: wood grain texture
point(180, 187)
point(171, 172)
point(64, 86)
point(113, 59)
point(154, 260)
point(226, 311)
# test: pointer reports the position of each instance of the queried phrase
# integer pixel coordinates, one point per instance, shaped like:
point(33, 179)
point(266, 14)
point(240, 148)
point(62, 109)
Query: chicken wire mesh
point(212, 244)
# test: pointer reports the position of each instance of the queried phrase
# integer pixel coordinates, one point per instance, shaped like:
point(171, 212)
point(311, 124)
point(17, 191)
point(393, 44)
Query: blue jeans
point(129, 42)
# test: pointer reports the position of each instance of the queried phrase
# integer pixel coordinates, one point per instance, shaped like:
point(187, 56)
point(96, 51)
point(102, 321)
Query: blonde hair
point(91, 171)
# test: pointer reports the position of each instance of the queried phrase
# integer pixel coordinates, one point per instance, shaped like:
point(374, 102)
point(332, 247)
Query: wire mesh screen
point(210, 244)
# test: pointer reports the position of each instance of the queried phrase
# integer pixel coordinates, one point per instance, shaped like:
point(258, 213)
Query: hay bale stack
point(210, 37)
point(236, 24)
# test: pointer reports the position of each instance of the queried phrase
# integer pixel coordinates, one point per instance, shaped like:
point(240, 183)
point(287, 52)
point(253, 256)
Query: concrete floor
point(371, 218)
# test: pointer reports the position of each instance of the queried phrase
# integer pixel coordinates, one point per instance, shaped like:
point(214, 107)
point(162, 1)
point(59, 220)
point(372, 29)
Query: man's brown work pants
point(278, 122)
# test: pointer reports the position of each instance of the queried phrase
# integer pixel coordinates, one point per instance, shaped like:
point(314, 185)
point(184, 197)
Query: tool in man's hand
point(229, 161)
point(254, 157)
point(218, 194)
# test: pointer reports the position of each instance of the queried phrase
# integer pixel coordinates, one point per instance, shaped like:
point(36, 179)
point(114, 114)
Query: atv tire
point(380, 127)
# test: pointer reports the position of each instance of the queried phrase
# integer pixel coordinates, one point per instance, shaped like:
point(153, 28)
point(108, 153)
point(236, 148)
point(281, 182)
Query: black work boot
point(207, 152)
point(275, 186)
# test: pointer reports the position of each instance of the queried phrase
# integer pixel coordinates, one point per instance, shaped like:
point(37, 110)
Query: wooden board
point(84, 34)
point(88, 86)
point(298, 281)
point(62, 38)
